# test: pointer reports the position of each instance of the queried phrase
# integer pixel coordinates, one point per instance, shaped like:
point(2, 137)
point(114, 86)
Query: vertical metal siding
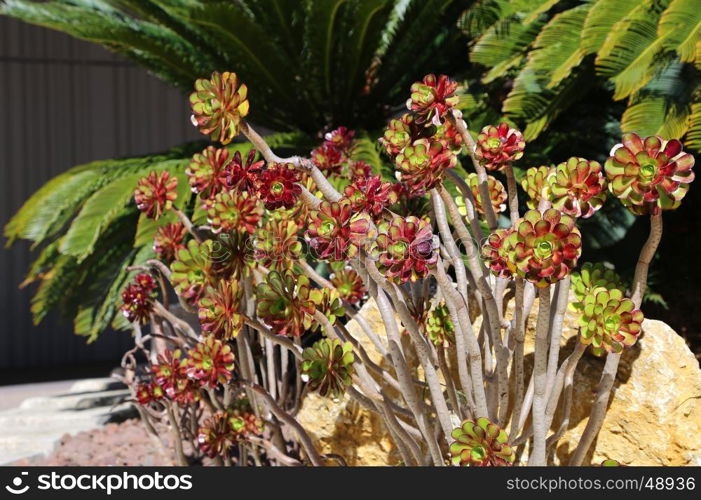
point(64, 102)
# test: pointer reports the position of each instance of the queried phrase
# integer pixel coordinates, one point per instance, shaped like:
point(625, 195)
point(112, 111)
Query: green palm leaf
point(680, 28)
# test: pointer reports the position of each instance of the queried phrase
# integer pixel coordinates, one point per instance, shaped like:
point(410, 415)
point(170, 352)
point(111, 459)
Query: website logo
point(16, 488)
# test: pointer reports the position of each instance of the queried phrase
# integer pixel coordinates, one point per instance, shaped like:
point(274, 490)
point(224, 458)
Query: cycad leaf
point(693, 136)
point(630, 52)
point(680, 27)
point(603, 15)
point(504, 41)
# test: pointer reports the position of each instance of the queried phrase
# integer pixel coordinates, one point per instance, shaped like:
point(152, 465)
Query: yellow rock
point(654, 417)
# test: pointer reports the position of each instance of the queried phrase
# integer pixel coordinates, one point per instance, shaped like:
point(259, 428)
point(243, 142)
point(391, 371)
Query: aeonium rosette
point(210, 362)
point(499, 146)
point(481, 444)
point(578, 187)
point(496, 190)
point(406, 248)
point(609, 321)
point(336, 233)
point(285, 303)
point(328, 365)
point(370, 194)
point(432, 98)
point(218, 310)
point(422, 164)
point(171, 376)
point(276, 245)
point(155, 193)
point(207, 172)
point(349, 285)
point(279, 186)
point(649, 175)
point(234, 211)
point(219, 104)
point(169, 240)
point(243, 175)
point(536, 184)
point(193, 269)
point(544, 247)
point(138, 297)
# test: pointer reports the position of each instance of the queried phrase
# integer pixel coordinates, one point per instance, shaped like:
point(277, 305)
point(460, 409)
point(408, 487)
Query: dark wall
point(64, 102)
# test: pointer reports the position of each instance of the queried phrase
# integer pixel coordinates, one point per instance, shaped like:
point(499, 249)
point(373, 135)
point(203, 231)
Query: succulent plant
point(210, 362)
point(359, 169)
point(240, 175)
point(207, 172)
point(137, 299)
point(218, 310)
point(215, 436)
point(328, 302)
point(499, 146)
point(592, 276)
point(400, 133)
point(278, 186)
point(155, 193)
point(169, 240)
point(448, 135)
point(439, 327)
point(329, 366)
point(192, 270)
point(407, 248)
point(578, 187)
point(609, 321)
point(231, 255)
point(536, 184)
point(234, 211)
point(218, 105)
point(545, 247)
point(285, 303)
point(328, 159)
point(349, 284)
point(481, 444)
point(335, 233)
point(649, 175)
point(370, 194)
point(497, 194)
point(171, 376)
point(340, 139)
point(421, 165)
point(432, 98)
point(147, 393)
point(243, 423)
point(276, 244)
point(496, 253)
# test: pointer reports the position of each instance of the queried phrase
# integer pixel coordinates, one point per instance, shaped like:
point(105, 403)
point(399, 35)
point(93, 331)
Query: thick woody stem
point(513, 195)
point(461, 127)
point(608, 377)
point(537, 456)
point(558, 310)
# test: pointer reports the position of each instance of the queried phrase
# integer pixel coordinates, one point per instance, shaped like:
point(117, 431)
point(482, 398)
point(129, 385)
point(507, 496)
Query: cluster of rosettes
point(218, 105)
point(439, 325)
point(137, 298)
point(543, 248)
point(406, 249)
point(481, 444)
point(498, 147)
point(497, 194)
point(576, 187)
point(423, 144)
point(609, 321)
point(336, 233)
point(649, 175)
point(328, 365)
point(155, 193)
point(170, 378)
point(224, 429)
point(218, 310)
